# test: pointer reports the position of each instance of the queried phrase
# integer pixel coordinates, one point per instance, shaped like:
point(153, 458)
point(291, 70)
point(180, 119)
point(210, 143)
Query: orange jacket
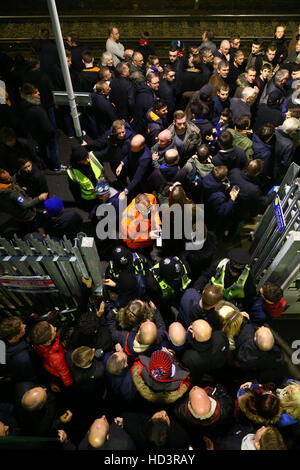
point(136, 228)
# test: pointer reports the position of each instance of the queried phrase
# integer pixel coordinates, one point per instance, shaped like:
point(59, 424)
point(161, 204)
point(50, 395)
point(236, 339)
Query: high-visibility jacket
point(236, 290)
point(166, 289)
point(86, 186)
point(137, 264)
point(136, 228)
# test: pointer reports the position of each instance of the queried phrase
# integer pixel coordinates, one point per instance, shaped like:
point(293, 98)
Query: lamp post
point(64, 66)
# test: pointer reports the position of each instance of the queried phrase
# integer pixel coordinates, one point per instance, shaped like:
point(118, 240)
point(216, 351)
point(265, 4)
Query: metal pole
point(64, 66)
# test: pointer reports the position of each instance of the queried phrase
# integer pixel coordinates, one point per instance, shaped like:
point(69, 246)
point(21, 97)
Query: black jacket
point(22, 364)
point(118, 440)
point(90, 380)
point(267, 115)
point(223, 417)
point(144, 100)
point(10, 155)
point(207, 356)
point(34, 182)
point(37, 121)
point(134, 423)
point(104, 111)
point(234, 157)
point(167, 92)
point(122, 94)
point(251, 200)
point(266, 365)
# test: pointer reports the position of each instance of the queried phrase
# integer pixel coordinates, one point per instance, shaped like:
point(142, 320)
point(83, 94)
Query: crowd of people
point(179, 351)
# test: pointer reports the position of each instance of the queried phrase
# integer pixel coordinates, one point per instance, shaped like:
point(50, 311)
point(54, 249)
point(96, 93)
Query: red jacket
point(54, 360)
point(274, 310)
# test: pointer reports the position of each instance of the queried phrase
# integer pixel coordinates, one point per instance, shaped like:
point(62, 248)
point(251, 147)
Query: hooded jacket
point(159, 392)
point(54, 361)
point(193, 139)
point(251, 415)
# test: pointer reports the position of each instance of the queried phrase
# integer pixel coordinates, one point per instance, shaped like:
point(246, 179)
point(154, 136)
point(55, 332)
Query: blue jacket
point(190, 310)
point(120, 385)
point(210, 185)
point(263, 151)
point(138, 166)
point(257, 314)
point(218, 107)
point(22, 364)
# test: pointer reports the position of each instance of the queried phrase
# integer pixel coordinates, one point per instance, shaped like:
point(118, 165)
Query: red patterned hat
point(160, 366)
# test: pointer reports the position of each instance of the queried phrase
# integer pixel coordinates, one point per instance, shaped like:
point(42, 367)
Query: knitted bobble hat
point(160, 365)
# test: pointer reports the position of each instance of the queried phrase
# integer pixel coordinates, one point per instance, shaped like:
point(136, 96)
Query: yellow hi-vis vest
point(236, 290)
point(86, 186)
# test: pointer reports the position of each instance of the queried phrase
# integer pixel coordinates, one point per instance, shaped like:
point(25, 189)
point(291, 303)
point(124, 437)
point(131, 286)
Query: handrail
point(104, 16)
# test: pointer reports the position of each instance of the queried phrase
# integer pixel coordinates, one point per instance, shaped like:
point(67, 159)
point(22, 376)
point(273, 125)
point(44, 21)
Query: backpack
point(195, 184)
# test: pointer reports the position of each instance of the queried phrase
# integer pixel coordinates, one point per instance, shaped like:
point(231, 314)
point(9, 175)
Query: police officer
point(166, 282)
point(15, 202)
point(123, 260)
point(234, 276)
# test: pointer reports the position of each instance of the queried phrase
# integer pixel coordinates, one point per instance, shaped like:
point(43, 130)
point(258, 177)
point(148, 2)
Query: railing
point(192, 16)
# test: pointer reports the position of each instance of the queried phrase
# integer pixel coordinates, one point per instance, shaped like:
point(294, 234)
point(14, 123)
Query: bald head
point(34, 399)
point(199, 401)
point(264, 338)
point(171, 157)
point(137, 143)
point(98, 432)
point(225, 46)
point(164, 138)
point(147, 332)
point(201, 330)
point(177, 333)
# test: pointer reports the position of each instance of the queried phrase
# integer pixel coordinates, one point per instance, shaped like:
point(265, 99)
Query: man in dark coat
point(166, 90)
point(76, 49)
point(251, 200)
point(38, 411)
point(104, 112)
point(284, 147)
point(269, 113)
point(39, 125)
point(195, 306)
point(258, 352)
point(137, 165)
point(263, 147)
point(209, 408)
point(46, 50)
point(20, 359)
point(13, 148)
point(105, 436)
point(122, 92)
point(206, 351)
point(229, 155)
point(118, 378)
point(58, 222)
point(146, 94)
point(30, 177)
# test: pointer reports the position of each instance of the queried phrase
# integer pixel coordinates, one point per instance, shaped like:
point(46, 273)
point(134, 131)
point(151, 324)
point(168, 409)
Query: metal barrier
point(268, 243)
point(38, 276)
